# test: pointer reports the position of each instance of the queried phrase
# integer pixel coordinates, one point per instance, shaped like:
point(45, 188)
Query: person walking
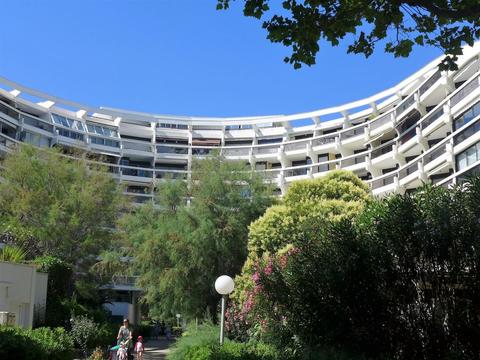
point(139, 348)
point(125, 336)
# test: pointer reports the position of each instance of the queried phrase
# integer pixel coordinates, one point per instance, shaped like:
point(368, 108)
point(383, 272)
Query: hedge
point(38, 344)
point(233, 351)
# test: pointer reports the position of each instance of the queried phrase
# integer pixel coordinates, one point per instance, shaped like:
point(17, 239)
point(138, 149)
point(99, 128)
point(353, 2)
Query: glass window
point(57, 119)
point(468, 116)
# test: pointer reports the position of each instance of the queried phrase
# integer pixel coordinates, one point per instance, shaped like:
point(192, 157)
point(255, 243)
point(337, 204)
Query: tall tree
point(58, 206)
point(182, 249)
point(399, 24)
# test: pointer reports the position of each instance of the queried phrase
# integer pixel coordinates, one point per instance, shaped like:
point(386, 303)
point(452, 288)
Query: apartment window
point(468, 157)
point(35, 139)
point(70, 123)
point(238, 142)
point(269, 141)
point(466, 117)
point(101, 130)
point(323, 158)
point(467, 133)
point(172, 141)
point(173, 126)
point(104, 142)
point(70, 134)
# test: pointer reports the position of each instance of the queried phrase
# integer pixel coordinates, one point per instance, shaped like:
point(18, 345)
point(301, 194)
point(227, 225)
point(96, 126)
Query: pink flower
point(268, 270)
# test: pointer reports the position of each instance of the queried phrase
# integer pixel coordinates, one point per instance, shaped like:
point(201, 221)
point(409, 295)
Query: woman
point(125, 335)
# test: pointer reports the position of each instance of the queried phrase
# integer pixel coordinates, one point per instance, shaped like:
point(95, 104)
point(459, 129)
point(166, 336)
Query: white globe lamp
point(224, 286)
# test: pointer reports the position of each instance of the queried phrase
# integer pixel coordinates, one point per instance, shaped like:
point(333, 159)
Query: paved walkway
point(156, 349)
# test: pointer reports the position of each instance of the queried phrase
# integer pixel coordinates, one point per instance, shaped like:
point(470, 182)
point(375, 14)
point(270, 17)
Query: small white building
point(23, 293)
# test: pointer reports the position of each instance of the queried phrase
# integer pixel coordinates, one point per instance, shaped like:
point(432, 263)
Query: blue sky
point(178, 57)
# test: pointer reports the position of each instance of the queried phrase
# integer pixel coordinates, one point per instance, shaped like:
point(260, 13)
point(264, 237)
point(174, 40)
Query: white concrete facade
point(23, 292)
point(394, 140)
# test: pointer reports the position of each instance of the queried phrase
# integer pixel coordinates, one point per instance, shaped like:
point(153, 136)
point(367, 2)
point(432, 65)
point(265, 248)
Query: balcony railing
point(461, 94)
point(132, 171)
point(384, 181)
point(409, 101)
point(236, 151)
point(164, 149)
point(382, 120)
point(384, 149)
point(37, 123)
point(177, 175)
point(408, 170)
point(324, 140)
point(266, 149)
point(296, 146)
point(137, 146)
point(431, 81)
point(431, 118)
point(6, 109)
point(432, 155)
point(352, 132)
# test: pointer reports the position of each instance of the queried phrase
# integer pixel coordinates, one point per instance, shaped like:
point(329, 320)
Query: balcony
point(139, 174)
point(430, 82)
point(9, 111)
point(37, 123)
point(165, 149)
point(126, 145)
point(405, 105)
point(263, 150)
point(302, 145)
point(382, 150)
point(324, 140)
point(430, 119)
point(352, 133)
point(171, 174)
point(244, 151)
point(464, 92)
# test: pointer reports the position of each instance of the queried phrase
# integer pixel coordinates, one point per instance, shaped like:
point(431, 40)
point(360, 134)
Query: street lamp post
point(224, 286)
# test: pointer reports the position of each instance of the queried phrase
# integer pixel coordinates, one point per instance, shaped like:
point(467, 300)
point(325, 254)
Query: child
point(139, 348)
point(122, 352)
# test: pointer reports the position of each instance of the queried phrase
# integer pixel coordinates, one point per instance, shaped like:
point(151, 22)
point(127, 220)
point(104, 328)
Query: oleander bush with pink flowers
point(335, 274)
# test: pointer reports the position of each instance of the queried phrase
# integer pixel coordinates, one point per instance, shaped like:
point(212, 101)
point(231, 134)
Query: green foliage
point(206, 334)
point(203, 344)
point(59, 281)
point(339, 195)
point(83, 330)
point(400, 25)
point(400, 281)
point(59, 202)
point(309, 204)
point(38, 344)
point(13, 254)
point(180, 250)
point(336, 185)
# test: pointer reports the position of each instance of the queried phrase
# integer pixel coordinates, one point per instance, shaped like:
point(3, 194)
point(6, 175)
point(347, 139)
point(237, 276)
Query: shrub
point(233, 351)
point(83, 330)
point(56, 343)
point(205, 335)
point(38, 344)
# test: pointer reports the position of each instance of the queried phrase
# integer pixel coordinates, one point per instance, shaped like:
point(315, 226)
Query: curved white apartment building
point(425, 129)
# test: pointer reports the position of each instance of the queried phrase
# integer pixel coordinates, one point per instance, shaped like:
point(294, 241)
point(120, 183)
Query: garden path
point(156, 349)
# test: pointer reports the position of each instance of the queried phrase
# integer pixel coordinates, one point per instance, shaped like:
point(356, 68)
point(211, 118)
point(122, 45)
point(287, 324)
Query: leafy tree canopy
point(180, 250)
point(53, 205)
point(399, 24)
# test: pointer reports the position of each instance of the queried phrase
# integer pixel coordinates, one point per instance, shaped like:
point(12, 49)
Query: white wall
point(20, 288)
